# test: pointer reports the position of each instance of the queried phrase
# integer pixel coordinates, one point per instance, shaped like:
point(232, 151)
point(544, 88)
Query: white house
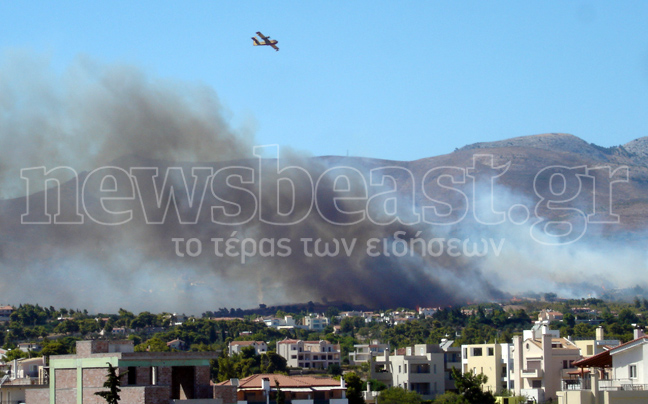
point(235, 347)
point(617, 375)
point(309, 354)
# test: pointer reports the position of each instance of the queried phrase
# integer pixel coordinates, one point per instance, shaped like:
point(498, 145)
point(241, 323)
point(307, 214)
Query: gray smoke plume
point(122, 236)
point(91, 114)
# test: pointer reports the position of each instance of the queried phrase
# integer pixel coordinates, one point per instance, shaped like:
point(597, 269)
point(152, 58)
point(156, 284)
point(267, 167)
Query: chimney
point(234, 382)
point(265, 384)
point(599, 333)
point(638, 333)
point(342, 383)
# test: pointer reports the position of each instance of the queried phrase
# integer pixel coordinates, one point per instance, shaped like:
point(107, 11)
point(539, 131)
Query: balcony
point(604, 385)
point(532, 373)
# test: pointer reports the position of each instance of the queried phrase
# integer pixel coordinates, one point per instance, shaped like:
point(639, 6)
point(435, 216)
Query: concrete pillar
point(595, 385)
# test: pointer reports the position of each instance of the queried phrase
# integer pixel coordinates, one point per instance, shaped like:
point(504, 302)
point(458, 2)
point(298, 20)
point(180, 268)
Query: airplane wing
point(262, 36)
point(274, 46)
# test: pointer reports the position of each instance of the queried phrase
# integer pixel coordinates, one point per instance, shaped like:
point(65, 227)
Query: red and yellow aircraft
point(266, 41)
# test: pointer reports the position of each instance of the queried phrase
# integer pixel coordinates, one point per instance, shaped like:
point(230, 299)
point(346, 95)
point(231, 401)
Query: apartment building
point(541, 360)
point(492, 360)
point(363, 353)
point(451, 359)
point(147, 377)
point(309, 354)
point(418, 368)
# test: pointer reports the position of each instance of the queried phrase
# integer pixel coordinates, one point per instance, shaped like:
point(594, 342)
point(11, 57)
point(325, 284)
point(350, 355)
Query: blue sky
point(393, 80)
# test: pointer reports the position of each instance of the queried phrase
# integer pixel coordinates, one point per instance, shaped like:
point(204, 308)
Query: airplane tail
point(255, 41)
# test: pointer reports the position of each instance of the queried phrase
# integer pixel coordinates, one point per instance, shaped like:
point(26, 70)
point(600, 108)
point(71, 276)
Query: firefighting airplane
point(266, 41)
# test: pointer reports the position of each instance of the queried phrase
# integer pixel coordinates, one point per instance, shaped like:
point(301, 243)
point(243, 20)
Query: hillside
point(336, 232)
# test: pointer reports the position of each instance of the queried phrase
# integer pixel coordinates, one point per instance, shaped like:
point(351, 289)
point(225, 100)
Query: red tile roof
point(254, 381)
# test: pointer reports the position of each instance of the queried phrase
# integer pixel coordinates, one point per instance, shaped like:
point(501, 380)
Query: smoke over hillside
point(161, 205)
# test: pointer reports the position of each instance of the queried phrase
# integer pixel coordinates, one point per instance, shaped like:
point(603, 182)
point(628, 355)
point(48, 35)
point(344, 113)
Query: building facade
point(235, 347)
point(309, 354)
point(147, 377)
point(492, 360)
point(419, 368)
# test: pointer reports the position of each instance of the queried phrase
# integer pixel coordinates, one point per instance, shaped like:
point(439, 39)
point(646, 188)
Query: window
point(491, 351)
point(536, 384)
point(633, 371)
point(477, 352)
point(132, 375)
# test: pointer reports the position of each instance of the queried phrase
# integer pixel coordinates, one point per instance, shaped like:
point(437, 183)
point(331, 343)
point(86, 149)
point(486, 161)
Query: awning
point(601, 360)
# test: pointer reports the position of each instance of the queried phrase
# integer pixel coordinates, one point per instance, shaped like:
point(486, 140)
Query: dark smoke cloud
point(92, 115)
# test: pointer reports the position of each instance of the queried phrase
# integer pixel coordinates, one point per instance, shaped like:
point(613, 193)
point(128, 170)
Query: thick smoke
point(116, 126)
point(91, 114)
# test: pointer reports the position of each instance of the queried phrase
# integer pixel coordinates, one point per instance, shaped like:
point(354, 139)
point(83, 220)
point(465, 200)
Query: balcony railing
point(603, 385)
point(535, 373)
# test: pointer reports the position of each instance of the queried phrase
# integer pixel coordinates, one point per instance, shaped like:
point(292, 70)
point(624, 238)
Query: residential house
point(29, 346)
point(21, 375)
point(549, 315)
point(280, 323)
point(427, 311)
point(147, 377)
point(235, 347)
point(618, 375)
point(296, 389)
point(5, 313)
point(492, 360)
point(177, 344)
point(309, 354)
point(315, 323)
point(419, 368)
point(363, 353)
point(541, 359)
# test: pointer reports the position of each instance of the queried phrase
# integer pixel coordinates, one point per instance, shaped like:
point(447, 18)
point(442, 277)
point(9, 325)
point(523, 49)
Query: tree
point(14, 354)
point(354, 388)
point(281, 396)
point(334, 369)
point(469, 386)
point(450, 398)
point(398, 395)
point(112, 383)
